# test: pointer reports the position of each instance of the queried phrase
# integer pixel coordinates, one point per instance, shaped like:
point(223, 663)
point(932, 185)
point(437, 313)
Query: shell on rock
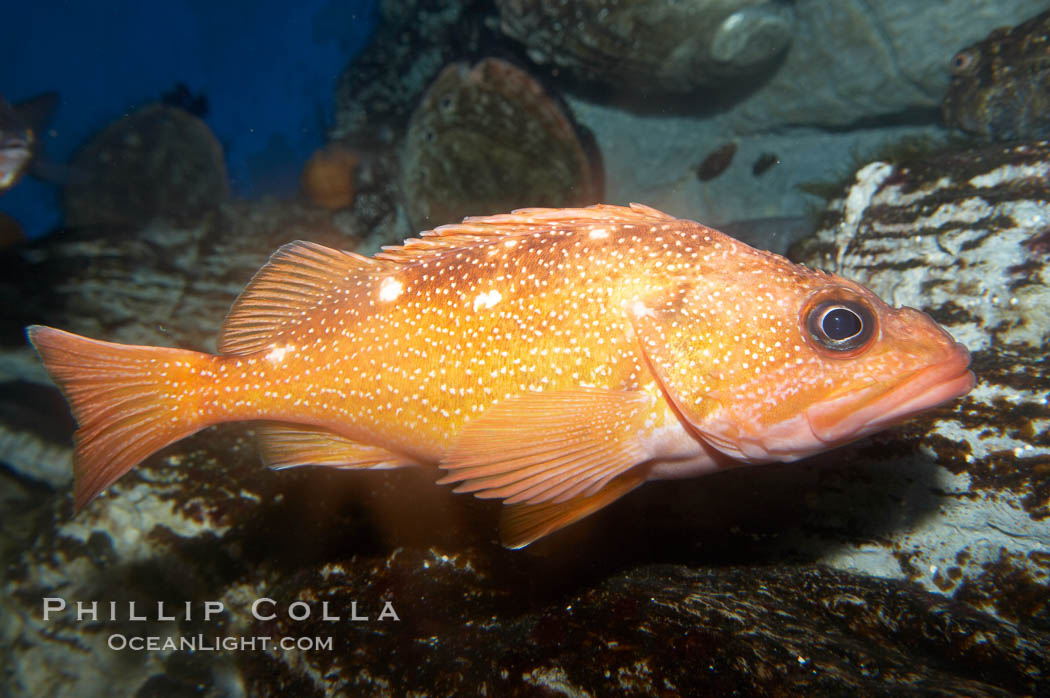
point(489, 138)
point(670, 45)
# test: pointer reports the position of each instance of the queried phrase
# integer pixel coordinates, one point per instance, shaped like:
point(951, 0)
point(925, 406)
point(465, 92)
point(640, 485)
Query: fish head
point(768, 361)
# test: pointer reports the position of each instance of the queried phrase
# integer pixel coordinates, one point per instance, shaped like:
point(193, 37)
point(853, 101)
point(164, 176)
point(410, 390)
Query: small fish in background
point(716, 162)
point(555, 359)
point(763, 162)
point(20, 125)
point(488, 138)
point(1000, 86)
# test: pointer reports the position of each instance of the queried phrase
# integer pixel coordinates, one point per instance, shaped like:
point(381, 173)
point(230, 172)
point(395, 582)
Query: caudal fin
point(125, 399)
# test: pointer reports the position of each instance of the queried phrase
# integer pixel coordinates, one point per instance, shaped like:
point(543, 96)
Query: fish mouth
point(873, 409)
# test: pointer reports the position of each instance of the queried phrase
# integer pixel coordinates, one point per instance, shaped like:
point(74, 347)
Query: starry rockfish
point(552, 358)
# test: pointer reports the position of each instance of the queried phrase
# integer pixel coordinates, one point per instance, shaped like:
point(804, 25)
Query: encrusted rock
point(964, 236)
point(654, 630)
point(157, 162)
point(163, 284)
point(652, 44)
point(853, 62)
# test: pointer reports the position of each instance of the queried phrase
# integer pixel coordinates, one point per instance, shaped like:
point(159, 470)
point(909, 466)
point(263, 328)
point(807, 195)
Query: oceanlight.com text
point(215, 643)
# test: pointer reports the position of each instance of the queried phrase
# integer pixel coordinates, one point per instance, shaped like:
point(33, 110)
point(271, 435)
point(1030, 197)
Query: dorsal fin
point(522, 222)
point(298, 277)
point(302, 275)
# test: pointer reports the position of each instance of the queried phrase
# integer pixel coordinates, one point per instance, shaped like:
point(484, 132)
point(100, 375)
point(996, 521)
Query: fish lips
point(855, 415)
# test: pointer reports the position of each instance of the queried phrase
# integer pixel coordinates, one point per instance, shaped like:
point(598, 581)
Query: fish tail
point(124, 399)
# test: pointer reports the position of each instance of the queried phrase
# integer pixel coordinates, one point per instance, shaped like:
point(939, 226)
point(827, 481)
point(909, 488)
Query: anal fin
point(521, 524)
point(283, 445)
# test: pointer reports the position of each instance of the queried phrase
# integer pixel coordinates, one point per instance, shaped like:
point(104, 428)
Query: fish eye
point(841, 325)
point(963, 61)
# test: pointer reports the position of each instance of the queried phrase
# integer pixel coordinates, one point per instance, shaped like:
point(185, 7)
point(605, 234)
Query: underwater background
point(266, 73)
point(899, 144)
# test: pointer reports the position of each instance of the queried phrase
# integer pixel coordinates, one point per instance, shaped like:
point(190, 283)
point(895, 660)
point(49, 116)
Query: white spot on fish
point(598, 234)
point(487, 300)
point(640, 309)
point(390, 289)
point(277, 354)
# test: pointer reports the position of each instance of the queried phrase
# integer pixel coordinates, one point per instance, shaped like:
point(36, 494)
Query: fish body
point(19, 125)
point(552, 358)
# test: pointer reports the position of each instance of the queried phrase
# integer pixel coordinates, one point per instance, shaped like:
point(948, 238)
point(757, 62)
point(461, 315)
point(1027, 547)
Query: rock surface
point(938, 529)
point(157, 162)
point(963, 236)
point(203, 522)
point(857, 76)
point(652, 45)
point(855, 61)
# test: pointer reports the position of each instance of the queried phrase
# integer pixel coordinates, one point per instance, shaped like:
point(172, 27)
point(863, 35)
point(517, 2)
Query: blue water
point(267, 67)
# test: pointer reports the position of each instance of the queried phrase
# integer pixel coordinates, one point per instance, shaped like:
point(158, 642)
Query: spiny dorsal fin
point(302, 275)
point(298, 277)
point(524, 221)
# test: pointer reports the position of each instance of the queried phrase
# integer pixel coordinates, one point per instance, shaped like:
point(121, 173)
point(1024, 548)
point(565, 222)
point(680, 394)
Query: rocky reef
point(963, 236)
point(652, 44)
point(378, 91)
point(853, 77)
point(916, 561)
point(912, 561)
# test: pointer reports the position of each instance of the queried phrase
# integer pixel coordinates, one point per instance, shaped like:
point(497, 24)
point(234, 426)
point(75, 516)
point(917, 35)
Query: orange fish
point(552, 358)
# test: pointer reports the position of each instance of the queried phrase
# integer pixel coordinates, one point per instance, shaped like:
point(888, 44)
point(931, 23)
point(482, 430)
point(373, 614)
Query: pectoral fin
point(289, 445)
point(550, 446)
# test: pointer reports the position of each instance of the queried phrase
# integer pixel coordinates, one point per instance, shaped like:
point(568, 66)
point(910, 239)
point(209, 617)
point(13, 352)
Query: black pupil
point(841, 323)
